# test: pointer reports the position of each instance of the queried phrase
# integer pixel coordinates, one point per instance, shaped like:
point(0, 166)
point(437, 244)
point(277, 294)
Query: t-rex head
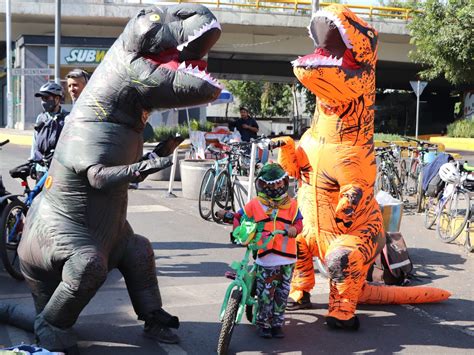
point(342, 66)
point(172, 41)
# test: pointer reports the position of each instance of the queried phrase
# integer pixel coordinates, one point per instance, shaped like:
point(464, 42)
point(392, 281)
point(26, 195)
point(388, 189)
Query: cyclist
point(277, 211)
point(49, 124)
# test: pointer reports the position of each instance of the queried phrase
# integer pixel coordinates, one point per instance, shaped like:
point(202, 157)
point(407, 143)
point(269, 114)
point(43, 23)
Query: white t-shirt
point(274, 260)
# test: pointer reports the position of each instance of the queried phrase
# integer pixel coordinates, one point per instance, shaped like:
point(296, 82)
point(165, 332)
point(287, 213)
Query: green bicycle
point(240, 294)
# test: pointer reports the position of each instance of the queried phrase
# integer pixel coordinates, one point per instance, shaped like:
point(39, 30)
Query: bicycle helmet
point(50, 88)
point(449, 173)
point(268, 181)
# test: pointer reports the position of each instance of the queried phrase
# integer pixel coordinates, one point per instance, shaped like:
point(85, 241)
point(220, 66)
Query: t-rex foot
point(303, 303)
point(349, 324)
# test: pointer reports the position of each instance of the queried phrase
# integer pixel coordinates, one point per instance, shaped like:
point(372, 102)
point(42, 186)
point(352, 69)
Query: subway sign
point(78, 56)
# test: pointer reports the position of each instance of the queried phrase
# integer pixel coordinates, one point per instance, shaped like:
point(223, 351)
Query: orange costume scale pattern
point(335, 165)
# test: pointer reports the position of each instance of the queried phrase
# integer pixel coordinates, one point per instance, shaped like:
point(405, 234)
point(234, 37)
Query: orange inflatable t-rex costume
point(335, 164)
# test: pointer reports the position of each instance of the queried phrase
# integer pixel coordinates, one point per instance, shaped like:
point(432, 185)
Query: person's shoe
point(265, 333)
point(303, 303)
point(161, 334)
point(349, 324)
point(133, 186)
point(277, 332)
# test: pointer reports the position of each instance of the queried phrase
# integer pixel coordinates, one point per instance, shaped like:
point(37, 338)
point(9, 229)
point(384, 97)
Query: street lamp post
point(57, 43)
point(8, 32)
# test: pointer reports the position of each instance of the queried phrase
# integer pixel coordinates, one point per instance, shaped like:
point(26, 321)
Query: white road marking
point(148, 208)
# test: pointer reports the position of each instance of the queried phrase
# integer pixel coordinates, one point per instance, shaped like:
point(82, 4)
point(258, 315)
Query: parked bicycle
point(13, 216)
point(419, 156)
point(3, 191)
point(455, 210)
point(388, 178)
point(240, 294)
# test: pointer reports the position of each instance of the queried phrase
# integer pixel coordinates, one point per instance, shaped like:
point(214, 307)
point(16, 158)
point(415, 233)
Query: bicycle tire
point(431, 212)
point(447, 219)
point(221, 194)
point(205, 193)
point(412, 177)
point(419, 193)
point(403, 174)
point(228, 323)
point(8, 248)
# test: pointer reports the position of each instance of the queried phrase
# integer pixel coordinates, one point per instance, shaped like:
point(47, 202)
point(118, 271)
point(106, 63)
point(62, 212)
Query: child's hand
point(291, 232)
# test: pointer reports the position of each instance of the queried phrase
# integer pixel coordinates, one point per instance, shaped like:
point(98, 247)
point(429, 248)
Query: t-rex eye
point(154, 18)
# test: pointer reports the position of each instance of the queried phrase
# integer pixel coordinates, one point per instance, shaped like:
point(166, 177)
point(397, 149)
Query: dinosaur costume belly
point(76, 229)
point(335, 164)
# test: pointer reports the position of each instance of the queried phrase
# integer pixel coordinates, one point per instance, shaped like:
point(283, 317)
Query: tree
point(262, 99)
point(443, 35)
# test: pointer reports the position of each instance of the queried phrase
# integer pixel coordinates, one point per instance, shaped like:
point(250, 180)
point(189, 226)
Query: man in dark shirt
point(246, 125)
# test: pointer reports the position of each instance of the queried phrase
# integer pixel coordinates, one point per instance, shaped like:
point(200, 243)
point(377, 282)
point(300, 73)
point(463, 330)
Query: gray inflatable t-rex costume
point(77, 229)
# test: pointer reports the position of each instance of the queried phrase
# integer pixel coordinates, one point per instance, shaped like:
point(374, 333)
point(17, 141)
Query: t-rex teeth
point(182, 66)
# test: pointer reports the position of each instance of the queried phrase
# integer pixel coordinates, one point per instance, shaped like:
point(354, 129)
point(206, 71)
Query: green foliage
point(443, 34)
point(309, 99)
point(164, 132)
point(461, 129)
point(387, 137)
point(262, 99)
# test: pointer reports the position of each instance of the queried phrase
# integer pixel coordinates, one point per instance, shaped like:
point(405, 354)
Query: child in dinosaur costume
point(76, 229)
point(335, 164)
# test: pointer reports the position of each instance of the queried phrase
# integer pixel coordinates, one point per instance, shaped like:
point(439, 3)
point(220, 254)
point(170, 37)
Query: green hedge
point(461, 129)
point(163, 132)
point(387, 137)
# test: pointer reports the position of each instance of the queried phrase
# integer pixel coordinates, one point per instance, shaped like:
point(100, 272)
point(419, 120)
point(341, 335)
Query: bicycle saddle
point(21, 171)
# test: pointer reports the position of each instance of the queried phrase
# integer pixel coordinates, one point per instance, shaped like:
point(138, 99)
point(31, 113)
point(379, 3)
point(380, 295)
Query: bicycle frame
point(245, 278)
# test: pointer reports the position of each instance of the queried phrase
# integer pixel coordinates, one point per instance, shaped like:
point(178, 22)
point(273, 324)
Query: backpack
point(435, 186)
point(393, 265)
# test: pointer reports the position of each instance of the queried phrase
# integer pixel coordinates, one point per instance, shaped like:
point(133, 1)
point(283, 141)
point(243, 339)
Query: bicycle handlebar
point(4, 142)
point(254, 246)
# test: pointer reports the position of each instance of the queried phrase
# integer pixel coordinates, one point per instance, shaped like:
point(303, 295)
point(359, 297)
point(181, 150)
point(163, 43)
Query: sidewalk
point(16, 136)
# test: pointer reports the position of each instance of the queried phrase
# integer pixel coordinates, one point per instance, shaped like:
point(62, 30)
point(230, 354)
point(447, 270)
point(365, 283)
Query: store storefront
point(38, 52)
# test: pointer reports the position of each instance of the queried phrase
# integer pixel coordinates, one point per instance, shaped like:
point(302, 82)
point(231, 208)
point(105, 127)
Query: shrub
point(164, 132)
point(387, 137)
point(461, 129)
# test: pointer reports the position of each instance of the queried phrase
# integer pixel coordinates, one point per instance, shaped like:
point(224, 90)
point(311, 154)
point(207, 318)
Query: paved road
point(192, 255)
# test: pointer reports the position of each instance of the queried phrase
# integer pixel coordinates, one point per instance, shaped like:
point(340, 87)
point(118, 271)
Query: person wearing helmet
point(277, 211)
point(49, 124)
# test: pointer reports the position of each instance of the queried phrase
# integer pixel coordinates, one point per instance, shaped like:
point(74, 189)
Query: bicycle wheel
point(12, 222)
point(382, 183)
point(205, 193)
point(412, 178)
point(420, 196)
point(431, 211)
point(453, 216)
point(221, 194)
point(228, 323)
point(403, 174)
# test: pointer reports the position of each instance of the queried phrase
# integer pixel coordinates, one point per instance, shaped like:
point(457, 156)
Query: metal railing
point(295, 6)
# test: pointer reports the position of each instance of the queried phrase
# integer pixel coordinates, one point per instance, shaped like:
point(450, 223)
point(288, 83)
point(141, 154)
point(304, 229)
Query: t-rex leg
point(82, 275)
point(348, 259)
point(303, 275)
point(137, 266)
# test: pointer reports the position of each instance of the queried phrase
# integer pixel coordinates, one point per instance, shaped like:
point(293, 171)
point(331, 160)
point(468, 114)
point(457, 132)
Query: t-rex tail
point(381, 294)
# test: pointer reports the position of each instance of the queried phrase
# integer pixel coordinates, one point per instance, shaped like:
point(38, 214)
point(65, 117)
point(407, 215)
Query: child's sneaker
point(277, 332)
point(265, 333)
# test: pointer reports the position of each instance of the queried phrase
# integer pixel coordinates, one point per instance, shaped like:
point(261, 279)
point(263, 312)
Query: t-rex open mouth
point(333, 47)
point(187, 56)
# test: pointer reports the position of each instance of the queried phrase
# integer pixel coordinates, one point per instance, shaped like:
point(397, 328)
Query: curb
point(19, 139)
point(455, 143)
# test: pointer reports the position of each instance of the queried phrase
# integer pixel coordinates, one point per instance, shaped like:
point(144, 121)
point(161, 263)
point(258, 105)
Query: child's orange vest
point(284, 218)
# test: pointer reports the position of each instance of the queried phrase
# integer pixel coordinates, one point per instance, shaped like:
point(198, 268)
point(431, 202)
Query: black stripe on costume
point(278, 252)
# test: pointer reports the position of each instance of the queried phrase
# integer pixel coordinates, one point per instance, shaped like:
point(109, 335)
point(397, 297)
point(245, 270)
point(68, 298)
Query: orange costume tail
point(381, 294)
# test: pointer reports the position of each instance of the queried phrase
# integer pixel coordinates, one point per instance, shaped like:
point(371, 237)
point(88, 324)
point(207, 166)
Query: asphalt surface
point(192, 256)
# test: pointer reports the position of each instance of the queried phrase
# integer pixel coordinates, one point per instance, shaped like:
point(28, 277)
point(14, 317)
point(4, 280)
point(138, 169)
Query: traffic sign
point(418, 87)
point(33, 71)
